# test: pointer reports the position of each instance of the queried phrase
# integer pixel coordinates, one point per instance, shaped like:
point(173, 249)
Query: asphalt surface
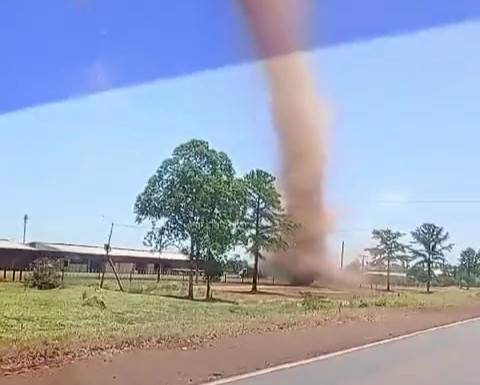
point(443, 357)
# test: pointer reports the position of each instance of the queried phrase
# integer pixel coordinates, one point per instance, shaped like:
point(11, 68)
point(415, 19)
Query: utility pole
point(341, 254)
point(25, 221)
point(109, 261)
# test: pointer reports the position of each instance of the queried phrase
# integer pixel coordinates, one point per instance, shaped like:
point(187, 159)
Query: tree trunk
point(429, 274)
point(190, 281)
point(207, 277)
point(255, 273)
point(190, 272)
point(208, 274)
point(256, 253)
point(197, 258)
point(388, 273)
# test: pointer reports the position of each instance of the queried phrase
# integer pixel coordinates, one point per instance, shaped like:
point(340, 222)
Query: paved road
point(443, 357)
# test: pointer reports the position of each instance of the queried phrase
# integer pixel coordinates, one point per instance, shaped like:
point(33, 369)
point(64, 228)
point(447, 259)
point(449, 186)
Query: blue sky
point(406, 128)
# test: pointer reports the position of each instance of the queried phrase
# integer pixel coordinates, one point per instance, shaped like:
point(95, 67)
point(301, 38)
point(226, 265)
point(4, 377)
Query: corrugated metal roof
point(7, 244)
point(114, 252)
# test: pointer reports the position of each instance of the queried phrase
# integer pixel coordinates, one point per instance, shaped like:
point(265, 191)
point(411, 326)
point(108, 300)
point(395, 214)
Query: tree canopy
point(198, 199)
point(430, 243)
point(470, 261)
point(469, 267)
point(265, 226)
point(388, 249)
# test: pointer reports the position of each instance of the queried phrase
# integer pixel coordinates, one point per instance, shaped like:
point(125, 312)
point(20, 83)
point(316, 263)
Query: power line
point(130, 226)
point(143, 227)
point(352, 231)
point(430, 201)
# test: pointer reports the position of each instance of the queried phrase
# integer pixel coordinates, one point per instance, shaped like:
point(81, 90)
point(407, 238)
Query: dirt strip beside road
point(247, 353)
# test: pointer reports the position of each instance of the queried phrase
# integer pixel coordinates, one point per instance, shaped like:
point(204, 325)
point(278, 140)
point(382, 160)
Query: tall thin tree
point(389, 249)
point(430, 243)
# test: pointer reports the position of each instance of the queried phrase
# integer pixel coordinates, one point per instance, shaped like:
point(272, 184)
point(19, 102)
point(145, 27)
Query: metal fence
point(72, 277)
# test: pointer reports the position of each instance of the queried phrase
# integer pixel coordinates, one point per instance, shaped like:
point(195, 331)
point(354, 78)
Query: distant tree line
point(422, 257)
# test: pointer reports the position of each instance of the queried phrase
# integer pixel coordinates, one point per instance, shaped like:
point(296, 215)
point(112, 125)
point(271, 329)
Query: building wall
point(123, 267)
point(16, 259)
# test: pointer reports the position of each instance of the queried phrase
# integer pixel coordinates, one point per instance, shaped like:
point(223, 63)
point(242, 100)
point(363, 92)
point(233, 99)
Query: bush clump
point(94, 302)
point(312, 302)
point(46, 275)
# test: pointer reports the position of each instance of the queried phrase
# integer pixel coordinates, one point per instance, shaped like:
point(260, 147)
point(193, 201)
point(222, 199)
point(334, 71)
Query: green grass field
point(149, 310)
point(79, 319)
point(84, 313)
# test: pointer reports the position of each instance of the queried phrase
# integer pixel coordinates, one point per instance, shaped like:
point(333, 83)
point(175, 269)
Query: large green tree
point(470, 262)
point(389, 248)
point(198, 200)
point(430, 243)
point(225, 206)
point(469, 267)
point(265, 226)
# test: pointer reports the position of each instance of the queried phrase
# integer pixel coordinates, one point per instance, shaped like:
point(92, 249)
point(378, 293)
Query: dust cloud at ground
point(301, 119)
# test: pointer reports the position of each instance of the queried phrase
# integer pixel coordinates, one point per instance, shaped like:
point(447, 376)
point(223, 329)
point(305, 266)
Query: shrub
point(312, 302)
point(381, 302)
point(46, 274)
point(94, 302)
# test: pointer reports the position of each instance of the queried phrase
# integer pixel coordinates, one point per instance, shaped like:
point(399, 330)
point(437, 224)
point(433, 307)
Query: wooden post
point(102, 279)
point(115, 273)
point(109, 260)
point(341, 255)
